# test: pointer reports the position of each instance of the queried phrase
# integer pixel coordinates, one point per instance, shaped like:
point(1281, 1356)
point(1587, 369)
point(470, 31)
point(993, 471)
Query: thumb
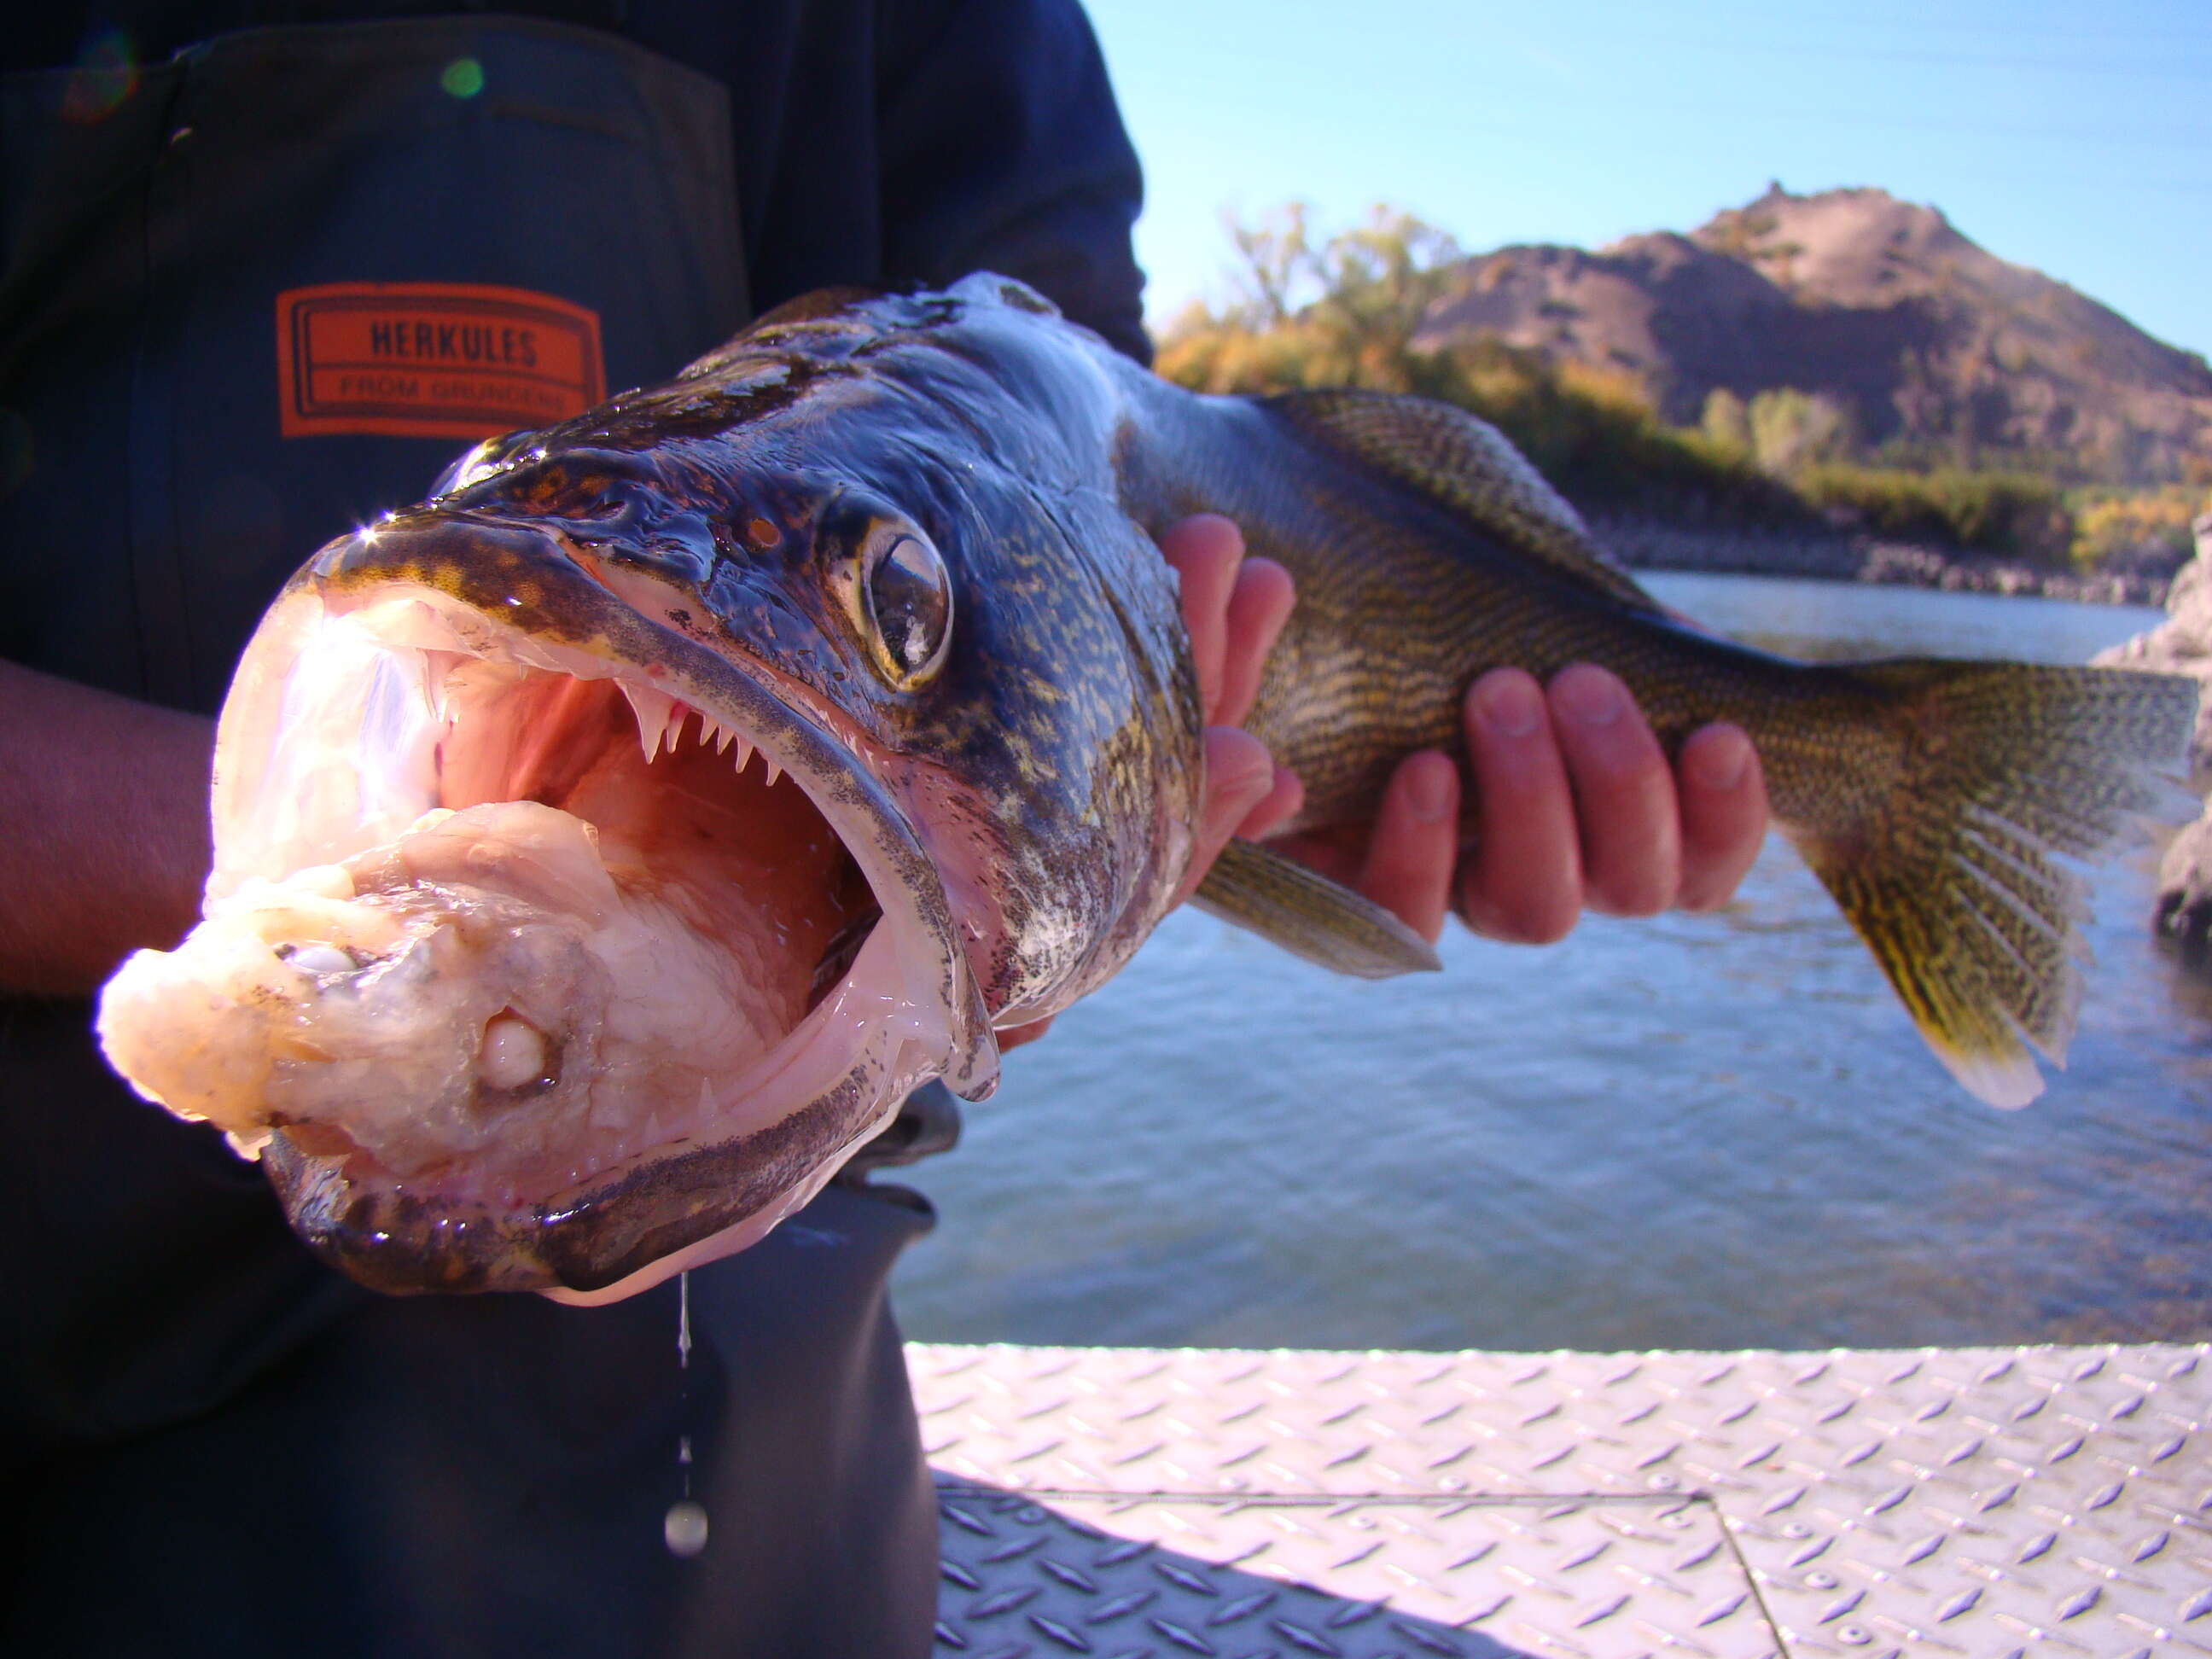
point(1239, 774)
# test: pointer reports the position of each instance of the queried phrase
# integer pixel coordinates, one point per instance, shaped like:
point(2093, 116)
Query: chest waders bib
point(357, 232)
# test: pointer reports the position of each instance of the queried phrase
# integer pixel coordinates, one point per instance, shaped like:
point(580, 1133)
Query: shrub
point(2015, 513)
point(2143, 531)
point(1792, 430)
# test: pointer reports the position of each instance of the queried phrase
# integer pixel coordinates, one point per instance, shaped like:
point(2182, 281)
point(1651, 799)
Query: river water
point(1692, 1132)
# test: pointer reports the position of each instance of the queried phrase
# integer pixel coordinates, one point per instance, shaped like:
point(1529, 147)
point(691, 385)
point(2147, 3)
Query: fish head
point(606, 846)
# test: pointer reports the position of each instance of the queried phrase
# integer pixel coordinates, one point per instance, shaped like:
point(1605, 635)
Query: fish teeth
point(683, 712)
point(712, 731)
point(659, 717)
point(428, 683)
point(660, 721)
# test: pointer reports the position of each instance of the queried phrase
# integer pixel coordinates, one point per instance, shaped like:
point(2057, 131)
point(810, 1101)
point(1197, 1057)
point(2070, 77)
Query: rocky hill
point(1937, 350)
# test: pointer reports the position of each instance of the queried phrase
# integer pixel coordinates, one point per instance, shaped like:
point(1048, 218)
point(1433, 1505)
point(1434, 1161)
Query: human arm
point(1003, 151)
point(103, 829)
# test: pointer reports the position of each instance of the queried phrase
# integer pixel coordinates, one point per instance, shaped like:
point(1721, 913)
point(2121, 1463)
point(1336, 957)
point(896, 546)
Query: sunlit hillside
point(1845, 359)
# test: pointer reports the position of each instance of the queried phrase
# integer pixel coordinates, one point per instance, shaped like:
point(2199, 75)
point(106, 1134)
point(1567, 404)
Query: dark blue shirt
point(208, 1442)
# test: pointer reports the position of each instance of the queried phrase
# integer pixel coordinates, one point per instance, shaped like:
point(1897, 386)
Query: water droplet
point(683, 1319)
point(684, 1528)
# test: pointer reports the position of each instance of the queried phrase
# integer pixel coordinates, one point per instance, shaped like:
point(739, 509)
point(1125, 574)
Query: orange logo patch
point(432, 360)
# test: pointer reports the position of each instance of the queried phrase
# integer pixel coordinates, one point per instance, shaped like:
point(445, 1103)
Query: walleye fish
point(606, 846)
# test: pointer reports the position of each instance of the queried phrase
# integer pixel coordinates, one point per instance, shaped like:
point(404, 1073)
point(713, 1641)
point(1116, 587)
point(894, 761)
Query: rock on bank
point(2182, 644)
point(1853, 556)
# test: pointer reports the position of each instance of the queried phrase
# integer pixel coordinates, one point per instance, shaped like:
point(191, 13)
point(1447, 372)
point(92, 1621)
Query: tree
point(1725, 420)
point(1792, 431)
point(1275, 260)
point(1340, 313)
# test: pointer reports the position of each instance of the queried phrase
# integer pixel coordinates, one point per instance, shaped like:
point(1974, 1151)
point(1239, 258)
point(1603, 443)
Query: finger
point(1281, 801)
point(1410, 861)
point(1524, 881)
point(1015, 1036)
point(1205, 552)
point(1723, 796)
point(1260, 603)
point(1631, 835)
point(1339, 853)
point(1239, 774)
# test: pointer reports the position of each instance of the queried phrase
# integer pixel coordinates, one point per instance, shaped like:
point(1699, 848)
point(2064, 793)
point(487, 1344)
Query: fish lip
point(375, 1227)
point(388, 1239)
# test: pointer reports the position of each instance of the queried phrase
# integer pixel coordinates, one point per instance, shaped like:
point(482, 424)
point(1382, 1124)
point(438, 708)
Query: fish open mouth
point(546, 958)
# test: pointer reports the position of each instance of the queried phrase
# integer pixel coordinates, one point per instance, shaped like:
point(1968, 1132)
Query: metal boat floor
point(1978, 1502)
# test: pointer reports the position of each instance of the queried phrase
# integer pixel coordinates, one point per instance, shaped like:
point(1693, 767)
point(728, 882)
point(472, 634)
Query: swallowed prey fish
point(607, 844)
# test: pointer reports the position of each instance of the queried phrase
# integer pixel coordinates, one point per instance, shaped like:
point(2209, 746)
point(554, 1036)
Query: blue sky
point(2073, 138)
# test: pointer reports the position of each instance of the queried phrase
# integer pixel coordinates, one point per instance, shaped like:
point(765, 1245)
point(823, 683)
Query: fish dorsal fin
point(1465, 465)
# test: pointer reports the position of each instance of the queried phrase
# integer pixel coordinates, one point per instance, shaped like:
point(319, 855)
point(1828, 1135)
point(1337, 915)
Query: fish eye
point(907, 595)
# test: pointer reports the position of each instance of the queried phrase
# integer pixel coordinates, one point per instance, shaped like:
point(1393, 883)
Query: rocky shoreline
point(1838, 556)
point(2182, 644)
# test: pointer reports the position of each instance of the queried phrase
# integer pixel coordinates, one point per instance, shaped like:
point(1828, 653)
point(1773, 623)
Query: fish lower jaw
point(456, 1089)
point(716, 1179)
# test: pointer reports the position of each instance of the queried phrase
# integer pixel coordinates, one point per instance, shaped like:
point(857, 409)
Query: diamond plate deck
point(1953, 1502)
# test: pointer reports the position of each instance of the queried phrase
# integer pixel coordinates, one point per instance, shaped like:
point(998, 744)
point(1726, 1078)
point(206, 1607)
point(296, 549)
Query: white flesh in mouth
point(495, 933)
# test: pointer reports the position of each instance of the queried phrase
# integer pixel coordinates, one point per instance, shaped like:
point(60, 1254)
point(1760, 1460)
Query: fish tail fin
point(1948, 867)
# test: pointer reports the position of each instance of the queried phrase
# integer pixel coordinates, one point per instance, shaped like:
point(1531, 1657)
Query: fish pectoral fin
point(1308, 914)
point(1467, 467)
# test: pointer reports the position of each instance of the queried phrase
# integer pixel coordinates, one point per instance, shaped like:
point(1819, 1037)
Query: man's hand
point(1580, 811)
point(1235, 607)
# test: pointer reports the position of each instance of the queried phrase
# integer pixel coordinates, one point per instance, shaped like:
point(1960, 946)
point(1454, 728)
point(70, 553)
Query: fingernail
point(1249, 789)
point(1429, 790)
point(1507, 704)
point(1719, 761)
point(1590, 696)
point(1253, 776)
